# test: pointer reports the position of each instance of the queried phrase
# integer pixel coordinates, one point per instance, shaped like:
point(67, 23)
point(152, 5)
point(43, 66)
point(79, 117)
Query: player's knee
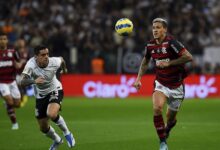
point(158, 110)
point(17, 105)
point(52, 115)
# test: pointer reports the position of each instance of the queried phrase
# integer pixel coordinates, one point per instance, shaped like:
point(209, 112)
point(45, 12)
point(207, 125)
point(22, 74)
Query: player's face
point(158, 30)
point(3, 42)
point(43, 58)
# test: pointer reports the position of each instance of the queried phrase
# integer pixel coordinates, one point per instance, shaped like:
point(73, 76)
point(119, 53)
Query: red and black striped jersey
point(169, 49)
point(7, 65)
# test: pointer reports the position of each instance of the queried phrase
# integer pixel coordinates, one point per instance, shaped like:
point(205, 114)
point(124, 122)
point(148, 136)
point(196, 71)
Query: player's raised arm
point(63, 65)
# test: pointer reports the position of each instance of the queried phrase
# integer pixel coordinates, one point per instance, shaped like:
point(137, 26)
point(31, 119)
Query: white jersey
point(49, 74)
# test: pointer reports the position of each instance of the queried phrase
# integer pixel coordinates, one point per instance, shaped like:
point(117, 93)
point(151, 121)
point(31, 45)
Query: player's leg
point(43, 121)
point(159, 100)
point(174, 102)
point(53, 113)
point(9, 103)
point(171, 120)
point(15, 93)
point(50, 133)
point(24, 97)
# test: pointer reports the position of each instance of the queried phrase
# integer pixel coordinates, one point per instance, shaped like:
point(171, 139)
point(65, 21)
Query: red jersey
point(7, 66)
point(169, 49)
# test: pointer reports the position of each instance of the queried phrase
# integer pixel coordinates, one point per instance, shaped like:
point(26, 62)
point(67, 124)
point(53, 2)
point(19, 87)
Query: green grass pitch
point(116, 124)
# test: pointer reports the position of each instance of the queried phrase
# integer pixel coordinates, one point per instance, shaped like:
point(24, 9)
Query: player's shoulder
point(170, 39)
point(151, 42)
point(53, 61)
point(31, 62)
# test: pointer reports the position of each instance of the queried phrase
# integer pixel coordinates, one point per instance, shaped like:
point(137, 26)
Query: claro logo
point(201, 90)
point(106, 90)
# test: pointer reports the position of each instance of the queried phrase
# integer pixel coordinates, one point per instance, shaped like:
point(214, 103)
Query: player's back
point(7, 66)
point(168, 50)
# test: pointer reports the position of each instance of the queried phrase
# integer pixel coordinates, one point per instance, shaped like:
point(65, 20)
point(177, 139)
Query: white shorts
point(10, 89)
point(175, 96)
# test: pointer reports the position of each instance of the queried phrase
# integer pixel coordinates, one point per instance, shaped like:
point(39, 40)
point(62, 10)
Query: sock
point(53, 135)
point(11, 113)
point(160, 127)
point(60, 122)
point(170, 125)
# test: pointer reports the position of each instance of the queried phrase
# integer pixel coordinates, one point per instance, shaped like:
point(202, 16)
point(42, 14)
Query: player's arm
point(183, 55)
point(26, 80)
point(184, 58)
point(63, 65)
point(142, 70)
point(18, 62)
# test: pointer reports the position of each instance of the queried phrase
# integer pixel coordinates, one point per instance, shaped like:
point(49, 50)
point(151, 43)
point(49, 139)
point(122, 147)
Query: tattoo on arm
point(186, 57)
point(143, 68)
point(26, 81)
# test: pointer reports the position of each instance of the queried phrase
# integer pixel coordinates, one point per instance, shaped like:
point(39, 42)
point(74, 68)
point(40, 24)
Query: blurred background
point(104, 65)
point(82, 31)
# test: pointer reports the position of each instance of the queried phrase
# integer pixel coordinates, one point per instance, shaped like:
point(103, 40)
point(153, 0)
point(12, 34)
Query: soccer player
point(40, 70)
point(169, 57)
point(8, 86)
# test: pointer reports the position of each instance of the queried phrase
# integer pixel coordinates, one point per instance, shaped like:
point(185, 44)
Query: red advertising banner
point(109, 86)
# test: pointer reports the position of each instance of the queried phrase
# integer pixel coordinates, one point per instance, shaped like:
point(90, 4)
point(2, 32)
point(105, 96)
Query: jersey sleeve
point(28, 70)
point(177, 47)
point(147, 54)
point(57, 61)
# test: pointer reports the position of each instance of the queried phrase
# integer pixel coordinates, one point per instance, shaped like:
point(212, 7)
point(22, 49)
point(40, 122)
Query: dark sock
point(160, 127)
point(170, 125)
point(11, 113)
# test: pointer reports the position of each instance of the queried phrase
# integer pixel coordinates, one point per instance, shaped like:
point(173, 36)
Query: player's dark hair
point(38, 48)
point(161, 20)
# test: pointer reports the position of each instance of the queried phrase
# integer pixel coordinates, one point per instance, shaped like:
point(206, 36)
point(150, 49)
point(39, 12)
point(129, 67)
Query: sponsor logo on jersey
point(6, 63)
point(164, 51)
point(10, 54)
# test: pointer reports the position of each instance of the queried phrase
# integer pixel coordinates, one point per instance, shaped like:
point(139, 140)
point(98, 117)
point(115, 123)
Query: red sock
point(11, 113)
point(160, 127)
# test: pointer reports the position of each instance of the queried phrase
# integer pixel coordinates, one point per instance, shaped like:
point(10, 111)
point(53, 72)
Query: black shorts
point(42, 103)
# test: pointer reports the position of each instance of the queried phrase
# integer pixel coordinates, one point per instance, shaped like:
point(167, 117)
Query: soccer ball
point(124, 27)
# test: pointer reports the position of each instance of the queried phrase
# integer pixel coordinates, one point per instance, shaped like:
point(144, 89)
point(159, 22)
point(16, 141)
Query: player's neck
point(160, 39)
point(3, 47)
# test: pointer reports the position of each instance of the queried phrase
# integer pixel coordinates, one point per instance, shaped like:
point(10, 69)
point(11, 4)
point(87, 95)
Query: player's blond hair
point(161, 20)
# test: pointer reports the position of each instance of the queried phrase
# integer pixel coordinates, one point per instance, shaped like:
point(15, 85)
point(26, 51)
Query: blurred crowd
point(82, 31)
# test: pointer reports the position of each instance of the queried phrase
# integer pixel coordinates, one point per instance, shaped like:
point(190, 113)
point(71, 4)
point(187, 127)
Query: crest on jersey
point(152, 52)
point(158, 50)
point(164, 51)
point(10, 54)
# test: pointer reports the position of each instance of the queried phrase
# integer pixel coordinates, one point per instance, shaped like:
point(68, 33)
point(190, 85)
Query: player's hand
point(162, 64)
point(39, 80)
point(64, 71)
point(137, 84)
